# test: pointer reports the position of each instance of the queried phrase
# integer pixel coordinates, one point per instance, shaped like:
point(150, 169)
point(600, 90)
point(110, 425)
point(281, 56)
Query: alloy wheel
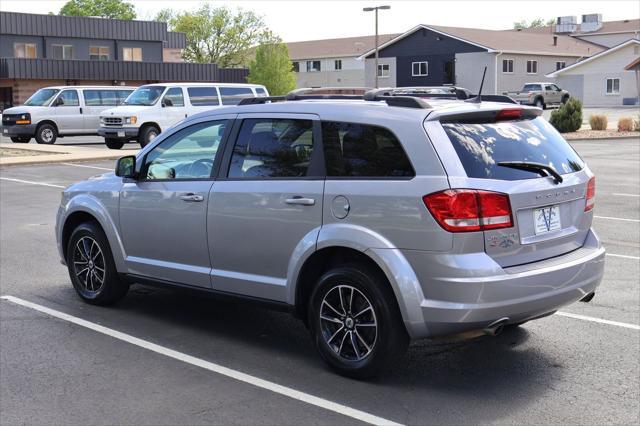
point(89, 264)
point(348, 323)
point(47, 135)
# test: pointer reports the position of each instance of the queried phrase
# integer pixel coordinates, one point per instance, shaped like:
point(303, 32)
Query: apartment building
point(44, 50)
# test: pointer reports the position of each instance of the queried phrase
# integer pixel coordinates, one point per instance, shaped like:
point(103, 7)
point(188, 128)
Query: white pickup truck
point(540, 95)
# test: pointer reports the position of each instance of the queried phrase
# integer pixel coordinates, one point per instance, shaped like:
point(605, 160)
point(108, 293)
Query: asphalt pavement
point(207, 361)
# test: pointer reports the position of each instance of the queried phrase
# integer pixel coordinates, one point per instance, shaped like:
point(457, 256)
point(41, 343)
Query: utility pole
point(375, 9)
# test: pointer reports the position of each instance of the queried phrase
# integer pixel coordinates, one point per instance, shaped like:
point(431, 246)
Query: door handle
point(191, 197)
point(80, 110)
point(300, 201)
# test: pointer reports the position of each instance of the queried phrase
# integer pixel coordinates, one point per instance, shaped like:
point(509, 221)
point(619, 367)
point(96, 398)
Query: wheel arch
point(48, 121)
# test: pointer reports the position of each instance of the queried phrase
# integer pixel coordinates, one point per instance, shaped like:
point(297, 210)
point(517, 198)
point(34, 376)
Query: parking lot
point(167, 357)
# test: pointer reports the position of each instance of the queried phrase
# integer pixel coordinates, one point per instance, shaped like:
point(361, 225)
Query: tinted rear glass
point(481, 146)
point(233, 95)
point(203, 96)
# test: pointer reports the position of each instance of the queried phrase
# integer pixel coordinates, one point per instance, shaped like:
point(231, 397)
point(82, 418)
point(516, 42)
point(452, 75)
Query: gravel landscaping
point(599, 134)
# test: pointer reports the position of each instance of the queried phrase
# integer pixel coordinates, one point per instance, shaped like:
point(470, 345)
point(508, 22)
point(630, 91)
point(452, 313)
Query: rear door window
point(233, 95)
point(360, 150)
point(480, 147)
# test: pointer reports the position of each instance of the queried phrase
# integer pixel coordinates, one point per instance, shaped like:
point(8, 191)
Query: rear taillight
point(467, 210)
point(591, 194)
point(509, 114)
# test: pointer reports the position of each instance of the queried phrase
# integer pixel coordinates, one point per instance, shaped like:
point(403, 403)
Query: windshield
point(481, 147)
point(146, 95)
point(42, 97)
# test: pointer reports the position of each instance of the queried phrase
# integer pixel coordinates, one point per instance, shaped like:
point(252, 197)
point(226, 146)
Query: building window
point(613, 86)
point(560, 65)
point(532, 67)
point(338, 64)
point(419, 69)
point(25, 50)
point(313, 66)
point(295, 66)
point(98, 53)
point(383, 70)
point(507, 65)
point(62, 51)
point(132, 54)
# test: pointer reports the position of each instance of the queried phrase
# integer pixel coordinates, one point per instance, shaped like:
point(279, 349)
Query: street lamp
point(371, 9)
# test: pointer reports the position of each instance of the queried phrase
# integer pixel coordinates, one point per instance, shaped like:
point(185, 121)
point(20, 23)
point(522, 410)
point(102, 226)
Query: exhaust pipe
point(588, 297)
point(495, 327)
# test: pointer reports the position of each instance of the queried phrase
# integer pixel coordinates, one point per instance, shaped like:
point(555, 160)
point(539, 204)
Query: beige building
point(609, 78)
point(332, 62)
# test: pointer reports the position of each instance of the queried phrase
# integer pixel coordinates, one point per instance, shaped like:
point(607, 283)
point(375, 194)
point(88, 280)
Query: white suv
point(154, 108)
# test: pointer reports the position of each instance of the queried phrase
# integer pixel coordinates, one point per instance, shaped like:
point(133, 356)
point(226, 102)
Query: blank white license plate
point(5, 130)
point(121, 134)
point(546, 219)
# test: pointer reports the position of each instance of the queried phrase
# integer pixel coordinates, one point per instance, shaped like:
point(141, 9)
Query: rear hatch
point(518, 153)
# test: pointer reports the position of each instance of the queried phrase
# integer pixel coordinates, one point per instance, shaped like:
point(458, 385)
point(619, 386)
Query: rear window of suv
point(482, 146)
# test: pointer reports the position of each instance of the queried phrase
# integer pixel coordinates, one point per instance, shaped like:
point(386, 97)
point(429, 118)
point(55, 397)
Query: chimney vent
point(555, 40)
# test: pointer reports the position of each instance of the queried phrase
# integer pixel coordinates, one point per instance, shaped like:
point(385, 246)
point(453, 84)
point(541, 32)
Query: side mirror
point(126, 167)
point(167, 103)
point(59, 101)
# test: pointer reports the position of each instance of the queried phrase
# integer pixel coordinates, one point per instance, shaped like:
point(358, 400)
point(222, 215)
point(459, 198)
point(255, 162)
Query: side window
point(261, 92)
point(270, 147)
point(108, 97)
point(187, 154)
point(360, 150)
point(174, 97)
point(549, 88)
point(68, 98)
point(203, 96)
point(122, 95)
point(92, 98)
point(233, 95)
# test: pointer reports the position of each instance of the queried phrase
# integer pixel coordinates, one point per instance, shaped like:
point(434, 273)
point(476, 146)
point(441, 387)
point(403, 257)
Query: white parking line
point(32, 183)
point(617, 218)
point(623, 256)
point(216, 368)
point(599, 320)
point(620, 194)
point(88, 167)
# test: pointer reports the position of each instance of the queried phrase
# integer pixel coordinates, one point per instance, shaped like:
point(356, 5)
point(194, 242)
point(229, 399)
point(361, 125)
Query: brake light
point(468, 210)
point(509, 114)
point(591, 194)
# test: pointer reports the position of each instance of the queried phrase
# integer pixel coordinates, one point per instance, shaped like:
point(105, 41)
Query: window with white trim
point(560, 65)
point(507, 65)
point(337, 64)
point(62, 51)
point(132, 54)
point(419, 69)
point(532, 67)
point(295, 66)
point(313, 66)
point(383, 70)
point(25, 50)
point(99, 53)
point(613, 86)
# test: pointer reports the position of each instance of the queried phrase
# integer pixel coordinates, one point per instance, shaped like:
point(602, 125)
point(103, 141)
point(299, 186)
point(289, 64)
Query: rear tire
point(539, 103)
point(147, 134)
point(91, 267)
point(113, 143)
point(20, 139)
point(46, 134)
point(355, 323)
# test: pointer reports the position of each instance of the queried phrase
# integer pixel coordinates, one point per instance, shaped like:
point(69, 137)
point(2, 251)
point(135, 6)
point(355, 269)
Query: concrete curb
point(606, 138)
point(59, 154)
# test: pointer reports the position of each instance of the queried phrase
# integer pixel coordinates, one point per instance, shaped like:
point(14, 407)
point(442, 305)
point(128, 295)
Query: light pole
point(370, 9)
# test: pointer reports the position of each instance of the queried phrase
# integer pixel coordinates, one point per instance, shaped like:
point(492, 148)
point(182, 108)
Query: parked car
point(540, 94)
point(153, 108)
point(375, 222)
point(61, 111)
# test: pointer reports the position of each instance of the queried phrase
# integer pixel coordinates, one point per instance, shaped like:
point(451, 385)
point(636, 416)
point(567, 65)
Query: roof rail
point(386, 95)
point(261, 100)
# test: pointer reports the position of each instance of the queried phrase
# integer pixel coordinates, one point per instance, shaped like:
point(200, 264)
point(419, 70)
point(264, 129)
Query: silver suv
point(374, 221)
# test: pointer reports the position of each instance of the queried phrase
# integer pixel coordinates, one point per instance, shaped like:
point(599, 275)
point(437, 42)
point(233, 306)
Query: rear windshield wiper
point(541, 169)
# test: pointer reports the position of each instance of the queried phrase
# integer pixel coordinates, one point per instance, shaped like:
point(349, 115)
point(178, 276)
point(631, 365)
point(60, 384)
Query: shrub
point(636, 124)
point(598, 122)
point(625, 124)
point(567, 118)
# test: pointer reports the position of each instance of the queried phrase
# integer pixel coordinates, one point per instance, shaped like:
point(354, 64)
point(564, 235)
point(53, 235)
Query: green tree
point(536, 23)
point(272, 68)
point(114, 9)
point(217, 34)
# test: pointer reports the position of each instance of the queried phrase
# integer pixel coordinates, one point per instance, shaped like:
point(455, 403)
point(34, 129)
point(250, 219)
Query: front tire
point(20, 139)
point(355, 322)
point(113, 143)
point(565, 99)
point(147, 134)
point(46, 134)
point(91, 267)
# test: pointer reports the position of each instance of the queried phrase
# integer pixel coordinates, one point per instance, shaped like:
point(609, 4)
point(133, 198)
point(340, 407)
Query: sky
point(310, 20)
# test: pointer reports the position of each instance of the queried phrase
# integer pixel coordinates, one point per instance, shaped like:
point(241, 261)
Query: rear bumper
point(121, 133)
point(462, 294)
point(18, 130)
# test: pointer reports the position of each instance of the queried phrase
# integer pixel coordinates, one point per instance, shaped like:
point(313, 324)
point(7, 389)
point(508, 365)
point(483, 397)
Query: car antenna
point(478, 98)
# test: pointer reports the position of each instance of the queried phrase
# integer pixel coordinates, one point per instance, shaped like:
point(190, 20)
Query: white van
point(60, 111)
point(153, 108)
